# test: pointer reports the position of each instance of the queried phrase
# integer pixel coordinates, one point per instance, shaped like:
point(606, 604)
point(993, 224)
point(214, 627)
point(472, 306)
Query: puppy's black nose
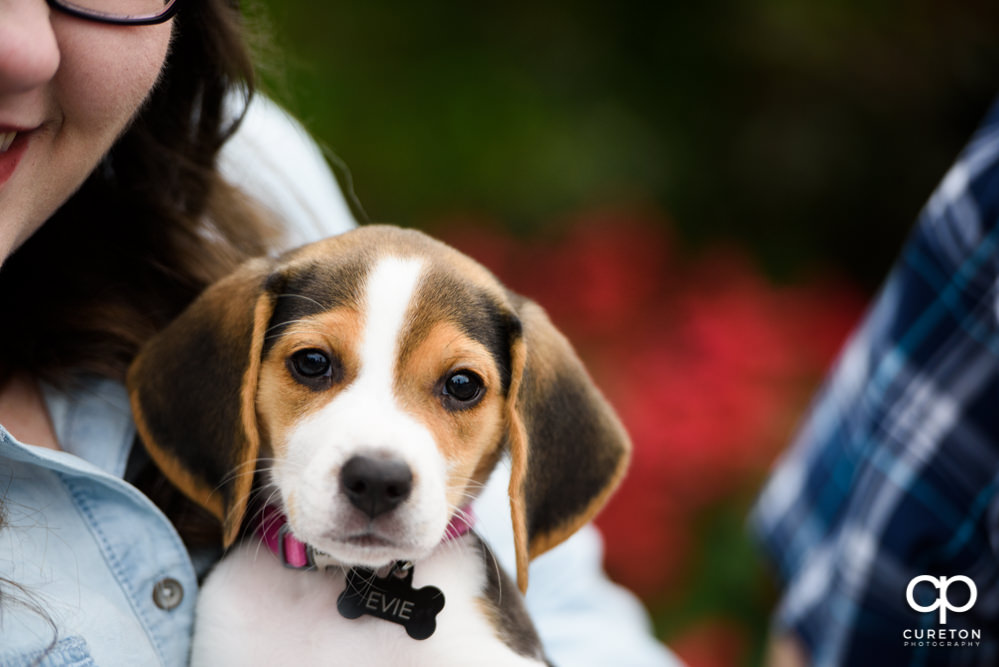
point(376, 486)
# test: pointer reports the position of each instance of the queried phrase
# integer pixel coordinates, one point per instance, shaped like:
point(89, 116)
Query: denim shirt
point(91, 572)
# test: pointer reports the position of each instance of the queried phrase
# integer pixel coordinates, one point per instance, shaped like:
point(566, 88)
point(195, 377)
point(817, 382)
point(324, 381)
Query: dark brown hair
point(150, 228)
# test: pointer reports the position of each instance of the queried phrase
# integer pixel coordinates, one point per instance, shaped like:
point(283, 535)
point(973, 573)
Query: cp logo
point(942, 602)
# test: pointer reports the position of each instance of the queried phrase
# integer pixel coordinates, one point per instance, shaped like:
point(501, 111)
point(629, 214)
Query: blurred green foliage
point(805, 130)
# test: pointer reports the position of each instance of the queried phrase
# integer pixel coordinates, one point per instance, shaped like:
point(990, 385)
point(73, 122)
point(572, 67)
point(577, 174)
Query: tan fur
point(244, 481)
point(518, 467)
point(281, 401)
point(466, 437)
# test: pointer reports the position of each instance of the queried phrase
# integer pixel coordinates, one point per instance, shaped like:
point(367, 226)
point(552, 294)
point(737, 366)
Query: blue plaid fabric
point(895, 472)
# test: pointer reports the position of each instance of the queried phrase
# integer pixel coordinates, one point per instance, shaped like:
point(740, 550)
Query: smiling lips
point(12, 146)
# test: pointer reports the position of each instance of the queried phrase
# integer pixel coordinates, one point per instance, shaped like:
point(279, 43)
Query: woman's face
point(68, 88)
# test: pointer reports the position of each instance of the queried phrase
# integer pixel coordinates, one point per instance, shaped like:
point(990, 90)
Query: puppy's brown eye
point(462, 388)
point(313, 368)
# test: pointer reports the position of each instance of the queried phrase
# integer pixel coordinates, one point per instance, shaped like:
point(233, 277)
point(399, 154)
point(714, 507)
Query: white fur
point(253, 611)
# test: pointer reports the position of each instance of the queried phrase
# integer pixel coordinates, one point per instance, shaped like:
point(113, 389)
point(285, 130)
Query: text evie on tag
point(392, 598)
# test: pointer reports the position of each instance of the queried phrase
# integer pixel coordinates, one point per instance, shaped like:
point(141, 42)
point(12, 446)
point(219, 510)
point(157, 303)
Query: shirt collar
point(92, 420)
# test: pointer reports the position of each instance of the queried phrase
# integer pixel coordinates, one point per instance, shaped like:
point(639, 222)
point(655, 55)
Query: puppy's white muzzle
point(364, 482)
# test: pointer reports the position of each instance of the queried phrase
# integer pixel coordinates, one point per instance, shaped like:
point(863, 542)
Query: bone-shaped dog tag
point(392, 598)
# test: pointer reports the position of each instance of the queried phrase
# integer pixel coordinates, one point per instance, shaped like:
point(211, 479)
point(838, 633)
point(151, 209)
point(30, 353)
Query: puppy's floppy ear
point(568, 448)
point(193, 389)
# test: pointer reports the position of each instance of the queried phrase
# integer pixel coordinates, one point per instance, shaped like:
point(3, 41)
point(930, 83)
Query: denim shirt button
point(168, 593)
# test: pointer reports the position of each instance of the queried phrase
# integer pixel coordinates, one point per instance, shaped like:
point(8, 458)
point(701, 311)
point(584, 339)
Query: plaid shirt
point(895, 472)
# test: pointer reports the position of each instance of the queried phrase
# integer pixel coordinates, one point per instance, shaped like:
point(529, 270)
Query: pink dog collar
point(275, 532)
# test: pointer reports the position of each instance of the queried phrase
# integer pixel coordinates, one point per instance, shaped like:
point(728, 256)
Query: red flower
point(712, 643)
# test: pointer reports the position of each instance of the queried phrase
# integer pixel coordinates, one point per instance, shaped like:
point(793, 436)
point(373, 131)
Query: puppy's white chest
point(253, 611)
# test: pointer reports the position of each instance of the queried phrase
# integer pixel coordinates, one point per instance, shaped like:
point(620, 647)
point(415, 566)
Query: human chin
point(48, 174)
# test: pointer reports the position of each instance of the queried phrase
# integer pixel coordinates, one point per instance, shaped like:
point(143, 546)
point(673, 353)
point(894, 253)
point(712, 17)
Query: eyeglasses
point(119, 12)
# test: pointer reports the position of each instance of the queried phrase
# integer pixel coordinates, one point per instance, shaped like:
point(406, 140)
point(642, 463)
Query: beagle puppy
point(350, 398)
